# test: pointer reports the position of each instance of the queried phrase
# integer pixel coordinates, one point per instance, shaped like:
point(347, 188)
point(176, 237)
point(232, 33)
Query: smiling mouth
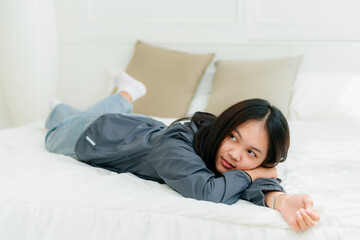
point(226, 164)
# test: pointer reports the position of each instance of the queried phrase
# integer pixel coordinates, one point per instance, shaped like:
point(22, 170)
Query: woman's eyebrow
point(237, 132)
point(256, 149)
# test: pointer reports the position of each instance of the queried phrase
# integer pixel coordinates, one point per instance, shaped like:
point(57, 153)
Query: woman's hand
point(296, 209)
point(261, 172)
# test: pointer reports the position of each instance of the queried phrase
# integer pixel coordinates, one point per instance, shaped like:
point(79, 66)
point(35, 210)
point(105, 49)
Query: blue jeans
point(66, 123)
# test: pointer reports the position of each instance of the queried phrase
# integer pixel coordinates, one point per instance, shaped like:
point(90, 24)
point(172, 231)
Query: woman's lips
point(226, 164)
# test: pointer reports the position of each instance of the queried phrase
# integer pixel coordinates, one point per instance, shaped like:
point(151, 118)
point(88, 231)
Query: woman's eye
point(251, 153)
point(232, 137)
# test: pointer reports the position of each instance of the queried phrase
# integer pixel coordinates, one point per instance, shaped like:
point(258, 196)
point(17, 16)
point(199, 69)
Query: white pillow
point(202, 94)
point(333, 97)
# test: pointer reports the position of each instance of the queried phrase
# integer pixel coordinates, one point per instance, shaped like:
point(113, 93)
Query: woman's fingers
point(295, 226)
point(304, 220)
point(301, 221)
point(307, 219)
point(315, 216)
point(298, 211)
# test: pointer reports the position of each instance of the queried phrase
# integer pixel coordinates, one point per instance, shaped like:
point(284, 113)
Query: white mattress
point(49, 196)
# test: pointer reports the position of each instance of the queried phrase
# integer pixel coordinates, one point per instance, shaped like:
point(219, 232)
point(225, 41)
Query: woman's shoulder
point(176, 146)
point(185, 130)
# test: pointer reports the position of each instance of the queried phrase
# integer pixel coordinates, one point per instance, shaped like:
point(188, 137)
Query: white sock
point(53, 103)
point(124, 82)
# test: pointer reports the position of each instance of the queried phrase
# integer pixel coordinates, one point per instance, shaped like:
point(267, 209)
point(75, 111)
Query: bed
point(49, 196)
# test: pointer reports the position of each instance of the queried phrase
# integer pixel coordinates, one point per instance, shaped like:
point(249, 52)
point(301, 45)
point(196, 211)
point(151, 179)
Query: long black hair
point(213, 130)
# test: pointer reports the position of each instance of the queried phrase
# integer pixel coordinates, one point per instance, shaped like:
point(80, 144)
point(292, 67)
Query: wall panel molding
point(114, 21)
point(161, 11)
point(318, 20)
point(307, 11)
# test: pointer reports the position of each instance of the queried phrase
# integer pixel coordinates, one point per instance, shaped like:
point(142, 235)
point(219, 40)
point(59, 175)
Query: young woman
point(219, 159)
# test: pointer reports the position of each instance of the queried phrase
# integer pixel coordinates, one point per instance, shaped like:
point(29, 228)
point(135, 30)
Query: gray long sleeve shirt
point(153, 151)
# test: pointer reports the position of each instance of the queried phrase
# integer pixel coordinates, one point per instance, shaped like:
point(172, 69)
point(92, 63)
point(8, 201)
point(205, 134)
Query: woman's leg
point(116, 103)
point(62, 137)
point(67, 125)
point(59, 113)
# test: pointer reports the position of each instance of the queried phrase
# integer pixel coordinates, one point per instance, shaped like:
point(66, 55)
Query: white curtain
point(28, 58)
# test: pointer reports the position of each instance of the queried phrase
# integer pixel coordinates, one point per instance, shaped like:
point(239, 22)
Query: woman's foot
point(125, 83)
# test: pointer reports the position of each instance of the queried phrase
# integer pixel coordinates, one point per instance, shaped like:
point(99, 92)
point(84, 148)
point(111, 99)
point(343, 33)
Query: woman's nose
point(236, 155)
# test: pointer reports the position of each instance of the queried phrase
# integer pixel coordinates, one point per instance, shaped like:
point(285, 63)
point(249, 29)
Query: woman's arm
point(296, 209)
point(261, 172)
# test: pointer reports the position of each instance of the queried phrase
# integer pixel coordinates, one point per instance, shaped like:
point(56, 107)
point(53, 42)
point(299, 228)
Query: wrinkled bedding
point(49, 196)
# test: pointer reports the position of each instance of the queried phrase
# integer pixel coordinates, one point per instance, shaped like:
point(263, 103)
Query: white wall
point(5, 120)
point(97, 34)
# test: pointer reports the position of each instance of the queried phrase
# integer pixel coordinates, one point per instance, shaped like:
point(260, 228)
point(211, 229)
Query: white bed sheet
point(50, 196)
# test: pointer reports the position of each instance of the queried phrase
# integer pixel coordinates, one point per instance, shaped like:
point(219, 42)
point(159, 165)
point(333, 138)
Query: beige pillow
point(171, 78)
point(269, 79)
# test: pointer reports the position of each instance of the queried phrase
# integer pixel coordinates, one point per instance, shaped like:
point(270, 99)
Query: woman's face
point(244, 149)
